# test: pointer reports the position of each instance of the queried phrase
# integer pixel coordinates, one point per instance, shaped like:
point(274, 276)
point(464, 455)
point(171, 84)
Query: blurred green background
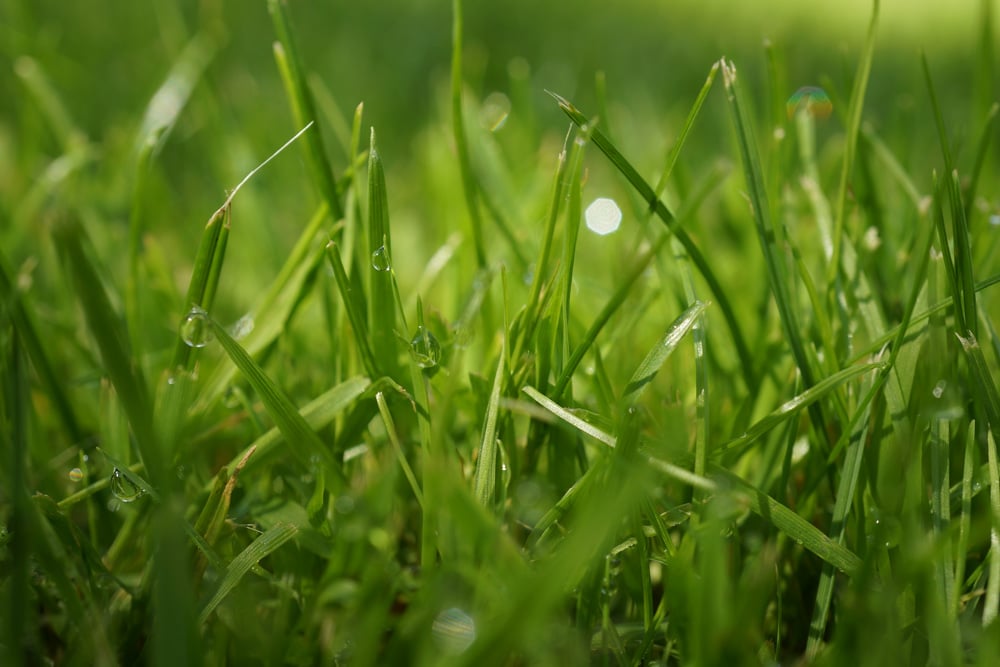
point(106, 59)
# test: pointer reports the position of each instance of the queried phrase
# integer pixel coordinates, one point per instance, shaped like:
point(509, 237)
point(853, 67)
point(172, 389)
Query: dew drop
point(426, 349)
point(123, 488)
point(75, 475)
point(380, 259)
point(196, 330)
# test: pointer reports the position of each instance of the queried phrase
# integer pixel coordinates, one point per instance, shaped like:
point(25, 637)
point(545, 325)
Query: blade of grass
point(779, 277)
point(382, 312)
point(612, 306)
point(397, 446)
point(486, 463)
point(469, 183)
point(112, 342)
point(734, 448)
point(290, 66)
point(259, 549)
point(355, 308)
point(855, 108)
point(655, 358)
point(300, 438)
point(663, 213)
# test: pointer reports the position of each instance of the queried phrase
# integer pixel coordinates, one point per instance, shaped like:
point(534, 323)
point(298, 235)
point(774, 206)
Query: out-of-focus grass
point(393, 402)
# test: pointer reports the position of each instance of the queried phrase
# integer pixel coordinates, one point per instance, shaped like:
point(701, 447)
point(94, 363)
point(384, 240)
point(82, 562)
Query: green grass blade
point(484, 485)
point(612, 306)
point(382, 311)
point(793, 525)
point(663, 213)
point(286, 55)
point(354, 304)
point(655, 358)
point(779, 277)
point(24, 323)
point(856, 106)
point(397, 446)
point(300, 438)
point(469, 183)
point(675, 150)
point(259, 549)
point(569, 417)
point(112, 341)
point(793, 406)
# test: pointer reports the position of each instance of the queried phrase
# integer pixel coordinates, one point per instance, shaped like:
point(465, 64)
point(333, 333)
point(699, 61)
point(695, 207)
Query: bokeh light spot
point(603, 216)
point(812, 100)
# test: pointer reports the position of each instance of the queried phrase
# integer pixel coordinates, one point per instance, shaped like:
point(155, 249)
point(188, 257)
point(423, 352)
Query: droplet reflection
point(196, 329)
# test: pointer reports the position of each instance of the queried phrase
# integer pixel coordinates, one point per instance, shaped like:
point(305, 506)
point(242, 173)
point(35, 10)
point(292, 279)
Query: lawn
point(540, 334)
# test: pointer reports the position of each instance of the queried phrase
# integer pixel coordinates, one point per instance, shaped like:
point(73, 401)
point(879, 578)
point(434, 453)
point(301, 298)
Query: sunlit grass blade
point(301, 439)
point(292, 71)
point(612, 306)
point(382, 306)
point(259, 549)
point(655, 358)
point(855, 108)
point(660, 209)
point(569, 417)
point(486, 464)
point(354, 304)
point(397, 446)
point(675, 150)
point(469, 182)
point(792, 407)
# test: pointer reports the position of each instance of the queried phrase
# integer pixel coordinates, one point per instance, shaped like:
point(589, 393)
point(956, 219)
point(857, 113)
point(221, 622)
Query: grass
point(450, 425)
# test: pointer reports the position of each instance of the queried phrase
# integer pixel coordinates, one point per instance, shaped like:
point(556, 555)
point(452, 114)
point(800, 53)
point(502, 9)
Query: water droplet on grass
point(380, 259)
point(812, 100)
point(75, 475)
point(426, 348)
point(123, 488)
point(603, 216)
point(196, 330)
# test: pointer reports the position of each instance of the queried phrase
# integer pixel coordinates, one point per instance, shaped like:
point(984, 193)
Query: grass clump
point(756, 425)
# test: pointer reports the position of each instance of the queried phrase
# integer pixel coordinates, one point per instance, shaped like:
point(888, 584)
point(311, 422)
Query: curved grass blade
point(655, 358)
point(663, 213)
point(259, 549)
point(792, 407)
point(299, 436)
point(613, 304)
point(286, 55)
point(779, 277)
point(112, 342)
